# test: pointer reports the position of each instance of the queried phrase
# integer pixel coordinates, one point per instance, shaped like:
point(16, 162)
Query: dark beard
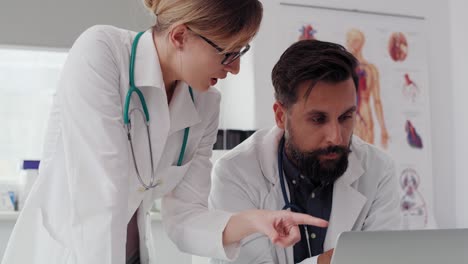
point(309, 164)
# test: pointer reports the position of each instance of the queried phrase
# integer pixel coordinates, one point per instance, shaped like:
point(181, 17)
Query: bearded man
point(310, 162)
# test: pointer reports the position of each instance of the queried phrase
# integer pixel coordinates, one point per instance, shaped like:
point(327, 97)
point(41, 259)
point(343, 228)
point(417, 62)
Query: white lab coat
point(364, 198)
point(87, 189)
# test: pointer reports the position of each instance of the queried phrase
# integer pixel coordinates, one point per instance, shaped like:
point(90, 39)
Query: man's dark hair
point(311, 60)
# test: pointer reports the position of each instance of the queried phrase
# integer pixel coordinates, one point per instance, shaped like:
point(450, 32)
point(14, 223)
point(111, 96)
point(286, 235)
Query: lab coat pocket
point(170, 177)
point(47, 248)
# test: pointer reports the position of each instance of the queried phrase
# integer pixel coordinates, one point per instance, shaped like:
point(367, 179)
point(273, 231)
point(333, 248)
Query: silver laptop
point(440, 246)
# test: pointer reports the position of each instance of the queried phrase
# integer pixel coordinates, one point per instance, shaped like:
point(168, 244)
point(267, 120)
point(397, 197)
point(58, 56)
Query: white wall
point(57, 23)
point(238, 97)
point(436, 13)
point(459, 52)
point(441, 100)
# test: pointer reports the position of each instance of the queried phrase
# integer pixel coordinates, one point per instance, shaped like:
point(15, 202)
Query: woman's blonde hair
point(218, 20)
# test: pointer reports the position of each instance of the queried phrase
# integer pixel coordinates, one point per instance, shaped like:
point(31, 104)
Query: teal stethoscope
point(128, 125)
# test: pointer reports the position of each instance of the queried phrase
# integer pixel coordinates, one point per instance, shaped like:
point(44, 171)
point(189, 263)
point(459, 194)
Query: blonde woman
point(134, 120)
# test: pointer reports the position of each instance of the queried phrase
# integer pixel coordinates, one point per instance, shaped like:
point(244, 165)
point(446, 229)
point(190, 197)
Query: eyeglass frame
point(236, 55)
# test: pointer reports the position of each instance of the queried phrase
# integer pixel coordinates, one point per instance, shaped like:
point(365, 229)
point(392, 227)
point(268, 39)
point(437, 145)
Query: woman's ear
point(178, 36)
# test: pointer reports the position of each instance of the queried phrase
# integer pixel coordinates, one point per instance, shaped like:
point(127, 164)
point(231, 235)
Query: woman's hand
point(280, 226)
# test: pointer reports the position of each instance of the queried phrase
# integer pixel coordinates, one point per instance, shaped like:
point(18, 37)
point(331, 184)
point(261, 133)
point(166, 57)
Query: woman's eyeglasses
point(228, 57)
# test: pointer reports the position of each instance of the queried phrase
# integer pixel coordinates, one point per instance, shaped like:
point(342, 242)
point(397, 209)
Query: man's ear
point(178, 36)
point(280, 114)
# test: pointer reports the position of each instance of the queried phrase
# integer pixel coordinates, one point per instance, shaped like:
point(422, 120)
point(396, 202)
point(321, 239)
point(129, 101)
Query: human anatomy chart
point(393, 100)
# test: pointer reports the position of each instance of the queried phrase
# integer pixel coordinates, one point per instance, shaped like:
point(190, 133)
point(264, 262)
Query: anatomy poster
point(393, 100)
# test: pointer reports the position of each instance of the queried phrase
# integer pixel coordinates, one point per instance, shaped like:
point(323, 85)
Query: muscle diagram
point(368, 89)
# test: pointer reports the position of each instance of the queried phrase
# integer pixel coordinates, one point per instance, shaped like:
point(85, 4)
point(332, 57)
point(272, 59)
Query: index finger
point(305, 219)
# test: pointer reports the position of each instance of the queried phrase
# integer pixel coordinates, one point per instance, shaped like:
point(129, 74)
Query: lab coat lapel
point(268, 154)
point(269, 167)
point(183, 112)
point(347, 203)
point(147, 67)
point(149, 79)
point(274, 199)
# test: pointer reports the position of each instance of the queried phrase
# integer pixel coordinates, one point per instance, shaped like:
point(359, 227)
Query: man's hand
point(325, 258)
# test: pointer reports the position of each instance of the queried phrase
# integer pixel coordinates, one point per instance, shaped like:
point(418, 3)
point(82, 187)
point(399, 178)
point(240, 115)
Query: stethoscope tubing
point(127, 122)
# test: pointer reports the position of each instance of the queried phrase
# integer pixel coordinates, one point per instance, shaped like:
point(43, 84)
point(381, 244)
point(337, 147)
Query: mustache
point(330, 150)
